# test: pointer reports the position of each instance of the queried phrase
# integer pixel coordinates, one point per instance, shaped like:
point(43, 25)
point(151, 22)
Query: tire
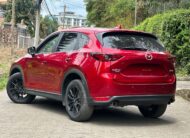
point(16, 91)
point(153, 111)
point(76, 103)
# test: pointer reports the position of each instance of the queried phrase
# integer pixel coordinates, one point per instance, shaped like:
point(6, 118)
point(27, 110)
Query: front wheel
point(15, 90)
point(153, 111)
point(76, 102)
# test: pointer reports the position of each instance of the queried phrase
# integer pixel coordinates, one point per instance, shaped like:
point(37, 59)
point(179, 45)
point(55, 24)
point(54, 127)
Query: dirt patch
point(6, 59)
point(185, 93)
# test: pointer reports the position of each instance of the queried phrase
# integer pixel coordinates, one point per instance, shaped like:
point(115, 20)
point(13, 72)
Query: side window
point(68, 42)
point(83, 41)
point(48, 46)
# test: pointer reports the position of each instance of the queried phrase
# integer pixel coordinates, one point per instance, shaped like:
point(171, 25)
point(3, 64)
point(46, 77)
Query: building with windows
point(70, 19)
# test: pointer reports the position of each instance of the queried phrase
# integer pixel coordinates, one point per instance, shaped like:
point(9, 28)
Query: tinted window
point(48, 46)
point(131, 42)
point(68, 42)
point(83, 41)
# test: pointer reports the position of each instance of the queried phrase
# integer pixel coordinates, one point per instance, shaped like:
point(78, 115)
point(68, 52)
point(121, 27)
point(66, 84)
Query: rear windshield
point(126, 41)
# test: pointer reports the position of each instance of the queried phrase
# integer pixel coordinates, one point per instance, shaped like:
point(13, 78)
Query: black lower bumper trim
point(137, 100)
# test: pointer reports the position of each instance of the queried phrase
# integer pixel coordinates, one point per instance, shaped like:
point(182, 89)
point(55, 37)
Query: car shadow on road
point(49, 105)
point(123, 116)
point(107, 116)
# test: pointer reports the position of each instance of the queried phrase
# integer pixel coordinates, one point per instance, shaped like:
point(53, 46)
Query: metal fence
point(25, 41)
point(17, 40)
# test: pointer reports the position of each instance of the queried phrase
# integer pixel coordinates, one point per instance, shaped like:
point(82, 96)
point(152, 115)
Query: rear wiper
point(135, 48)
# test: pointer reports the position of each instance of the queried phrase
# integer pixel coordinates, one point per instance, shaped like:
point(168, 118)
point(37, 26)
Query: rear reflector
point(102, 99)
point(105, 57)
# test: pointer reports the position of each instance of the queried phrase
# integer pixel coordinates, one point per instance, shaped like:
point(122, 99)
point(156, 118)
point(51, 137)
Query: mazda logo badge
point(148, 56)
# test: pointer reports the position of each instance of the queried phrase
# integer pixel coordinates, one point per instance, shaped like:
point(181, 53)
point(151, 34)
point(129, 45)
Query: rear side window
point(68, 42)
point(126, 41)
point(83, 40)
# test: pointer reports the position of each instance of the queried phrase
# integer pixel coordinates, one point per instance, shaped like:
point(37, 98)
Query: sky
point(56, 6)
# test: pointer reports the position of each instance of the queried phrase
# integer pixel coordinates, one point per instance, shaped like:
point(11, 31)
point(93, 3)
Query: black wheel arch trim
point(18, 67)
point(84, 82)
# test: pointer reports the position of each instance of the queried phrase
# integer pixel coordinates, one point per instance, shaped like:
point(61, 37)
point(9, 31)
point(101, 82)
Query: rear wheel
point(16, 91)
point(153, 111)
point(76, 102)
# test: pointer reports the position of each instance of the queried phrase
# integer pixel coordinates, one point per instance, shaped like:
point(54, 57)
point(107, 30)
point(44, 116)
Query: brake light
point(106, 57)
point(172, 59)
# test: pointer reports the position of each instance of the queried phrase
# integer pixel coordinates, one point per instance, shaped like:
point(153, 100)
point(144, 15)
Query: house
point(70, 19)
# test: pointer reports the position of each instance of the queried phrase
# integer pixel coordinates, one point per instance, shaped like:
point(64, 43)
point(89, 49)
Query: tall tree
point(48, 25)
point(104, 13)
point(24, 11)
point(109, 13)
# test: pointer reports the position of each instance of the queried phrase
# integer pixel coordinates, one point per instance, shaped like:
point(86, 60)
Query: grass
point(3, 81)
point(181, 72)
point(6, 60)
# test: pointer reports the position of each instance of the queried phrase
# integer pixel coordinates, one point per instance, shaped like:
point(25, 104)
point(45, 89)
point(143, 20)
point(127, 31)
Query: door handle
point(67, 59)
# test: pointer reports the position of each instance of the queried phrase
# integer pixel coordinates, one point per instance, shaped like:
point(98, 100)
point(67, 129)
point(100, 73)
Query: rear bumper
point(106, 86)
point(137, 100)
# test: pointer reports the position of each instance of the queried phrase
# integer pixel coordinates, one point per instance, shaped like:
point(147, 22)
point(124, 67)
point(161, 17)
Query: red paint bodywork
point(136, 75)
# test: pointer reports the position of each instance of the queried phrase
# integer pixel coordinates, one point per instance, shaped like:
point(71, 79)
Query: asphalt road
point(48, 119)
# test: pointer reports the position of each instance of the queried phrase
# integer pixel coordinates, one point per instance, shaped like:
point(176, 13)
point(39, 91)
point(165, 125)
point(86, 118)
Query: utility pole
point(37, 28)
point(135, 23)
point(13, 20)
point(64, 12)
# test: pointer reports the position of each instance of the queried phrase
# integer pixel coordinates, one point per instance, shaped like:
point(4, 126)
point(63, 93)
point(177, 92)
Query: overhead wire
point(45, 3)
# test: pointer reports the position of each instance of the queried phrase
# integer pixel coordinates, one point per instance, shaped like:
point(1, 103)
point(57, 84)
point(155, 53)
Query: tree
point(109, 13)
point(24, 11)
point(48, 25)
point(104, 13)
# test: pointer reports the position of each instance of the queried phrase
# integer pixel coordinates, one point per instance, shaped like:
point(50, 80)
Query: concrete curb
point(184, 93)
point(183, 78)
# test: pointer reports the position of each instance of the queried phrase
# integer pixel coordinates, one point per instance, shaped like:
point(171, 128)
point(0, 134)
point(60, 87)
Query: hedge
point(173, 28)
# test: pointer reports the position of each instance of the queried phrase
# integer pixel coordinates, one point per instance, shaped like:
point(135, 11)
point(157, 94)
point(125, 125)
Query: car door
point(62, 58)
point(36, 73)
point(54, 64)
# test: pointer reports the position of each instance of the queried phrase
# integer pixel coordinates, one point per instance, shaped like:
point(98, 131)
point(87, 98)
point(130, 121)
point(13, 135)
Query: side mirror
point(32, 51)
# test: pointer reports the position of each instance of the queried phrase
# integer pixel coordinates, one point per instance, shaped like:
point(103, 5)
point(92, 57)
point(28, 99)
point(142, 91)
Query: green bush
point(173, 28)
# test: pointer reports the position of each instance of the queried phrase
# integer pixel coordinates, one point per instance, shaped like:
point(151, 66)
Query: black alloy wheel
point(16, 91)
point(76, 102)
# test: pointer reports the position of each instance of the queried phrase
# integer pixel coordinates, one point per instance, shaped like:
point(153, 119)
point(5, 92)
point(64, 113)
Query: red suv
point(86, 68)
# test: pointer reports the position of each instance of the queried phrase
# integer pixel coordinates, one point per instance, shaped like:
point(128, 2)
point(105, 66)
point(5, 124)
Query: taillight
point(106, 57)
point(172, 59)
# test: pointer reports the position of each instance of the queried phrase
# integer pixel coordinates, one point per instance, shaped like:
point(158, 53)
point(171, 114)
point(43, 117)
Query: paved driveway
point(48, 119)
